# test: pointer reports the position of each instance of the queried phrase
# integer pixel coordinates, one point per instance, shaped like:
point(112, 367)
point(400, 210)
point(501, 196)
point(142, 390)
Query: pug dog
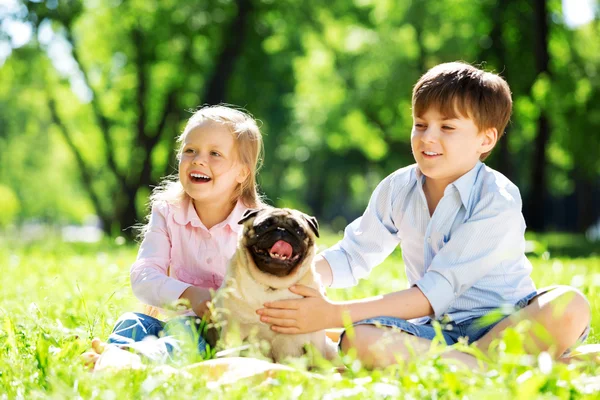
point(275, 251)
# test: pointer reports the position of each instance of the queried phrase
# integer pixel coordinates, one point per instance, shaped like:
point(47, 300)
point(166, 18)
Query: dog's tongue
point(282, 248)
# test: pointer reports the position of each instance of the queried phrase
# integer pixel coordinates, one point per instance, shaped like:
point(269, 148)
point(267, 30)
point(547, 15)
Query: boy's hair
point(458, 87)
point(249, 146)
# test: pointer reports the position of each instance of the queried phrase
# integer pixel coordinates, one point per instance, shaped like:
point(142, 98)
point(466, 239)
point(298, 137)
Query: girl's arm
point(149, 278)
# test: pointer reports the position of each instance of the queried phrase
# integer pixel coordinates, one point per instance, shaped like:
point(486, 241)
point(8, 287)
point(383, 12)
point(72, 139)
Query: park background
point(93, 94)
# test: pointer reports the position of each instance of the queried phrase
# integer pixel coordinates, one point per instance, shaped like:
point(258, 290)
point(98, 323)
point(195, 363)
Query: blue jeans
point(155, 339)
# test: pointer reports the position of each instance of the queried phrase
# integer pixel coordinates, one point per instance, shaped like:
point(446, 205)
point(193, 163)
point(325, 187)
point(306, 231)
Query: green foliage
point(331, 83)
point(9, 206)
point(60, 296)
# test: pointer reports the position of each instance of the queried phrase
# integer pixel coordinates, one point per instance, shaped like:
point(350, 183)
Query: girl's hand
point(312, 313)
point(198, 298)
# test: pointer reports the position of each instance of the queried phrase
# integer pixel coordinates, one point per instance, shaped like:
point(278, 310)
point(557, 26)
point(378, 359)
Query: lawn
point(57, 296)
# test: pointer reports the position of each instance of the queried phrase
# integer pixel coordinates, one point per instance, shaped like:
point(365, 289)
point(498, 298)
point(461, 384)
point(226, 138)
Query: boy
point(461, 230)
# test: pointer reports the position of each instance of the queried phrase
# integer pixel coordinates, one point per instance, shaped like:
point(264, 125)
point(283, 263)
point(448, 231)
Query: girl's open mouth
point(199, 178)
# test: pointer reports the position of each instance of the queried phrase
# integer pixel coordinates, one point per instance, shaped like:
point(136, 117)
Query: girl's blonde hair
point(249, 146)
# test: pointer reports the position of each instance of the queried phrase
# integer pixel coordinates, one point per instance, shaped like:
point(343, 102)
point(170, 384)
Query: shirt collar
point(186, 214)
point(463, 185)
point(234, 217)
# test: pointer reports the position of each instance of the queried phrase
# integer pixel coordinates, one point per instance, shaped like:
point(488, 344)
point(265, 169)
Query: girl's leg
point(130, 329)
point(563, 312)
point(379, 347)
point(186, 331)
point(134, 327)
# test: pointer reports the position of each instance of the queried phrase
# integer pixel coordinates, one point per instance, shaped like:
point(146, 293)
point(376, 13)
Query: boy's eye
point(419, 126)
point(448, 128)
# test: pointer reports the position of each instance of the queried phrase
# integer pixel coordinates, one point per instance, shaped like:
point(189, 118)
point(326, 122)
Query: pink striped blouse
point(197, 256)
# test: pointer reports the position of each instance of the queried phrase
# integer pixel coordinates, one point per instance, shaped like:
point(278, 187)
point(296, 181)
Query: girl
point(192, 230)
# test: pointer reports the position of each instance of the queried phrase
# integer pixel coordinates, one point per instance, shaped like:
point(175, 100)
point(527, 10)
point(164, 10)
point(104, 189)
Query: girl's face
point(209, 169)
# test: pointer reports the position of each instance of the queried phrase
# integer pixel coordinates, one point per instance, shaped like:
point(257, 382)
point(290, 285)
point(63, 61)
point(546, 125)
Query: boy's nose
point(429, 135)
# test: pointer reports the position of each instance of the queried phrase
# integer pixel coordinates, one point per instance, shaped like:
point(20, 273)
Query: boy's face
point(445, 148)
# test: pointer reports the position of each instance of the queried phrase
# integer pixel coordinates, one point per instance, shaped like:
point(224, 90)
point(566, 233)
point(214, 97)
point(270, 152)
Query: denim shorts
point(472, 329)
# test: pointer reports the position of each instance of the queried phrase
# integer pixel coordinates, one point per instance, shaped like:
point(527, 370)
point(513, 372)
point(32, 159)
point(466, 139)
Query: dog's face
point(278, 239)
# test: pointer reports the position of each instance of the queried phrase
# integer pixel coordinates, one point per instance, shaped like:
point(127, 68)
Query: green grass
point(55, 297)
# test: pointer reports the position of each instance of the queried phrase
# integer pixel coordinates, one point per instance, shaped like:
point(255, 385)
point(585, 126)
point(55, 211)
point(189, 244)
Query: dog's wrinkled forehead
point(254, 217)
point(281, 215)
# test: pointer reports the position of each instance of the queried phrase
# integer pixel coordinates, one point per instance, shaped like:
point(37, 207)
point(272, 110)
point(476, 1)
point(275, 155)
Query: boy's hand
point(312, 313)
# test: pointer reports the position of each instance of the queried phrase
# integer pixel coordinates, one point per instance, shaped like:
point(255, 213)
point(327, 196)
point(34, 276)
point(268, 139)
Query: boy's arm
point(367, 241)
point(493, 236)
point(323, 269)
point(314, 312)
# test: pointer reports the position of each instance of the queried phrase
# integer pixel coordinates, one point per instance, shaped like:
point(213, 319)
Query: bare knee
point(578, 310)
point(376, 347)
point(362, 338)
point(570, 313)
point(364, 341)
point(571, 307)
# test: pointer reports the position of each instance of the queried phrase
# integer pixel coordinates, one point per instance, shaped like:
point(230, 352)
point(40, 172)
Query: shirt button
point(428, 240)
point(209, 260)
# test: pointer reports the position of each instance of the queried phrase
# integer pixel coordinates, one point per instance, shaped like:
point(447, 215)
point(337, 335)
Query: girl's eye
point(214, 153)
point(188, 151)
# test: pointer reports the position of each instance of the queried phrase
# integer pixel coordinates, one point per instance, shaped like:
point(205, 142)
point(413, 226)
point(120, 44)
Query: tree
point(160, 69)
point(536, 209)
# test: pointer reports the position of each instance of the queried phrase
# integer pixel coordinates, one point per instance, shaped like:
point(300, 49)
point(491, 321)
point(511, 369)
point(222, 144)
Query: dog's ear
point(312, 222)
point(249, 213)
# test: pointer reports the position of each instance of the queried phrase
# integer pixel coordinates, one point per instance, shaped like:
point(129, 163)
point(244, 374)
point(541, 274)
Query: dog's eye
point(263, 226)
point(299, 231)
point(260, 228)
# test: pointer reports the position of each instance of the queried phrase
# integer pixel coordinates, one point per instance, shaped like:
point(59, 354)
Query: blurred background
point(93, 94)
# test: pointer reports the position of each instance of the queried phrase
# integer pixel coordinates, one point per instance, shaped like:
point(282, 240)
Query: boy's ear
point(490, 137)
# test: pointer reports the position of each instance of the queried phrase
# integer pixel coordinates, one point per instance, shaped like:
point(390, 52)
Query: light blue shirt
point(467, 259)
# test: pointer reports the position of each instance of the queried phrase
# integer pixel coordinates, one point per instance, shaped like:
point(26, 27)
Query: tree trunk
point(496, 54)
point(216, 90)
point(536, 208)
point(587, 214)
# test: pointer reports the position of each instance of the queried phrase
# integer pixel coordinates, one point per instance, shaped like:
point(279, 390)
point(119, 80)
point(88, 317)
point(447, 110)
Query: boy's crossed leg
point(379, 347)
point(563, 313)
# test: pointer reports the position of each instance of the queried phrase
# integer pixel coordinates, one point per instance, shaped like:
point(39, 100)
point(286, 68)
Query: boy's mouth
point(430, 154)
point(196, 177)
